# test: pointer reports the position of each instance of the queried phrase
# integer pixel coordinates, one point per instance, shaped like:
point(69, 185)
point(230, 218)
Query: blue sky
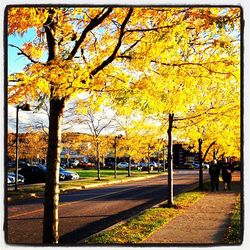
point(17, 62)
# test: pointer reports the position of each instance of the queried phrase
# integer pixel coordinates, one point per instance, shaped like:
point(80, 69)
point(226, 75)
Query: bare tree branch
point(25, 54)
point(92, 24)
point(117, 47)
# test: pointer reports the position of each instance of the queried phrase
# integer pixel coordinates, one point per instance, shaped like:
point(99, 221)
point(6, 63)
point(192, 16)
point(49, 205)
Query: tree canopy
point(183, 61)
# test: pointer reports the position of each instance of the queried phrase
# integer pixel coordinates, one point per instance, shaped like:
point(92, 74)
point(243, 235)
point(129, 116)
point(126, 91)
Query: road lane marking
point(73, 202)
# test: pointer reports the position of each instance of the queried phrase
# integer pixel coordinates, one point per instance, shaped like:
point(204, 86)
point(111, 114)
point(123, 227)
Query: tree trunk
point(149, 159)
point(164, 162)
point(200, 165)
point(115, 166)
point(103, 161)
point(129, 166)
point(158, 161)
point(170, 161)
point(51, 200)
point(98, 160)
point(17, 145)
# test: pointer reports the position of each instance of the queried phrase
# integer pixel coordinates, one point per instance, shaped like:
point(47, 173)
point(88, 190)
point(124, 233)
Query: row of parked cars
point(37, 173)
point(143, 166)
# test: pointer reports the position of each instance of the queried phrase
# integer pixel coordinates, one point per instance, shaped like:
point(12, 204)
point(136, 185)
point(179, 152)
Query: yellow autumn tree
point(193, 76)
point(116, 53)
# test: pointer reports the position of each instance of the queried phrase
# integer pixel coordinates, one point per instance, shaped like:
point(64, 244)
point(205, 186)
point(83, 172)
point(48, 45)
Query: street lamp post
point(24, 107)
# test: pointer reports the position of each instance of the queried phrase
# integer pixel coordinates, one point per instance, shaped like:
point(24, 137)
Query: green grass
point(143, 225)
point(92, 173)
point(233, 233)
point(107, 175)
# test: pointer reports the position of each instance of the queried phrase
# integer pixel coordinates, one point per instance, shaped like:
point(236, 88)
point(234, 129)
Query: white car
point(122, 165)
point(11, 179)
point(74, 163)
point(13, 175)
point(197, 165)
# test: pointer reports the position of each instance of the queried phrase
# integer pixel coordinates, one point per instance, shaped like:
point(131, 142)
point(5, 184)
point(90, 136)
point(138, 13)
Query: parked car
point(73, 163)
point(21, 164)
point(144, 166)
point(205, 165)
point(20, 177)
point(67, 175)
point(11, 164)
point(10, 179)
point(153, 164)
point(122, 165)
point(197, 165)
point(134, 166)
point(86, 165)
point(33, 174)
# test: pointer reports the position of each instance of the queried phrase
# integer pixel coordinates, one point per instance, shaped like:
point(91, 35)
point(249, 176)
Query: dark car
point(33, 174)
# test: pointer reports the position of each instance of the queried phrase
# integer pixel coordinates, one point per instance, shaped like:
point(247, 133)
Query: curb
point(120, 181)
point(109, 183)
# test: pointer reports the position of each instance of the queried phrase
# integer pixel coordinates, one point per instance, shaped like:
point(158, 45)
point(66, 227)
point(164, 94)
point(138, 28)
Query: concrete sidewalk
point(203, 223)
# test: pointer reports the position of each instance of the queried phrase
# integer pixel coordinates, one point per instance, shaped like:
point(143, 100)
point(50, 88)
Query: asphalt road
point(83, 213)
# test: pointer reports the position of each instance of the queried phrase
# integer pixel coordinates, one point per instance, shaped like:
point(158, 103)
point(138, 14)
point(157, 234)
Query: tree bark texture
point(115, 165)
point(149, 159)
point(51, 200)
point(17, 145)
point(170, 161)
point(200, 165)
point(129, 166)
point(164, 162)
point(98, 160)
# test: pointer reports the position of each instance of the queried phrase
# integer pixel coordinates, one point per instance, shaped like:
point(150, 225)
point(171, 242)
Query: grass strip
point(233, 233)
point(144, 224)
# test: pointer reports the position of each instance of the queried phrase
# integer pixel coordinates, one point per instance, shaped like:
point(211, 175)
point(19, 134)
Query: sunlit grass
point(233, 233)
point(143, 225)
